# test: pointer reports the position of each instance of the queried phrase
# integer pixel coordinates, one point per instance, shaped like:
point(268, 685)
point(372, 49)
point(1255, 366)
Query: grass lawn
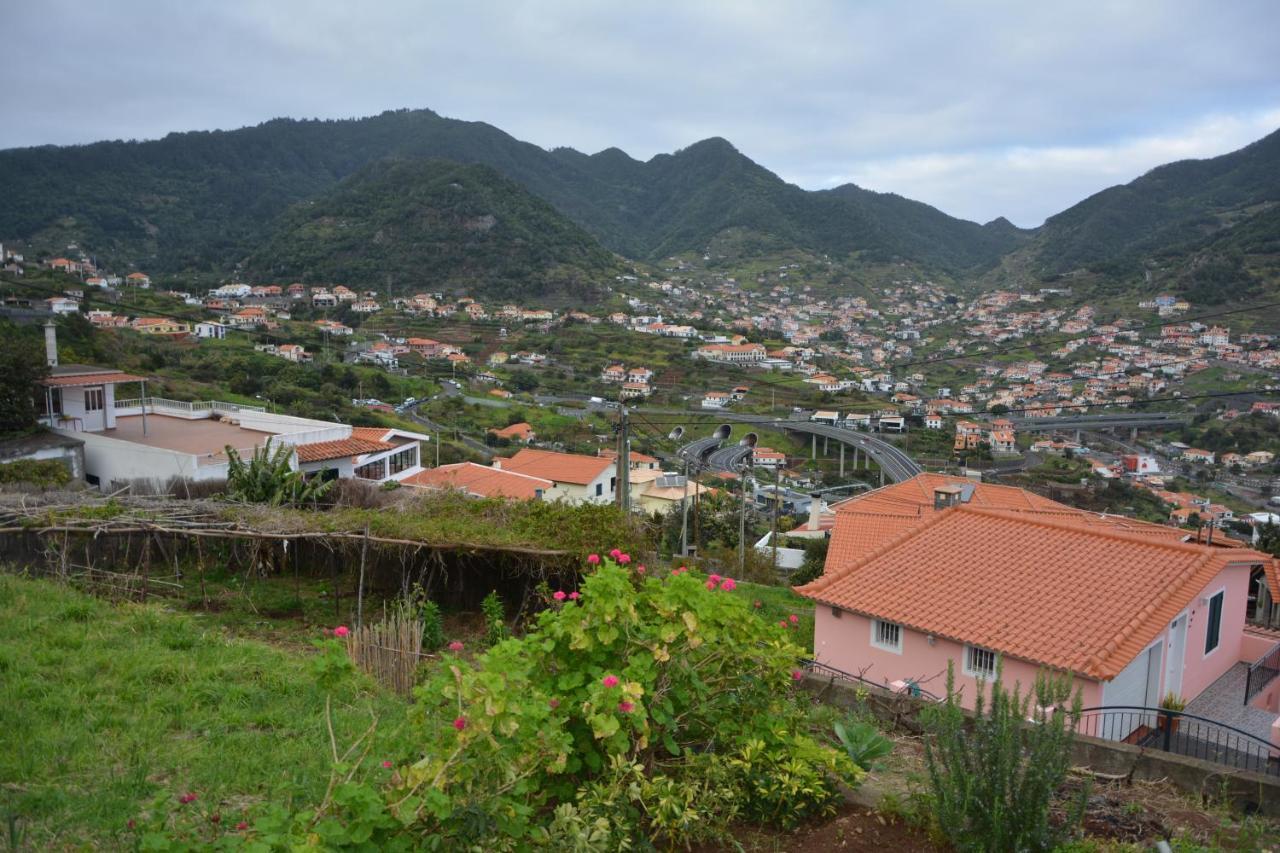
point(779, 603)
point(108, 706)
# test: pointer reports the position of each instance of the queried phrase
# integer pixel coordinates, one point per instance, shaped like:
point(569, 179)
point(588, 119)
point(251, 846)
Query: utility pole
point(437, 448)
point(777, 502)
point(684, 513)
point(623, 468)
point(742, 524)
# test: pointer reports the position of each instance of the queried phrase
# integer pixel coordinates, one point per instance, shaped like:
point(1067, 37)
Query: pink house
point(941, 570)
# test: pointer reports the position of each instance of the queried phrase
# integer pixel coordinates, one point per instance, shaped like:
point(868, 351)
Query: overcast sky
point(983, 109)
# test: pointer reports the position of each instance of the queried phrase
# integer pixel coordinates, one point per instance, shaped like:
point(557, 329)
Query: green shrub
point(45, 473)
point(495, 618)
point(432, 625)
point(268, 478)
point(993, 778)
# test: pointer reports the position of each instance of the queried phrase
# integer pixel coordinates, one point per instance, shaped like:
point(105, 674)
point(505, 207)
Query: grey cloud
point(816, 91)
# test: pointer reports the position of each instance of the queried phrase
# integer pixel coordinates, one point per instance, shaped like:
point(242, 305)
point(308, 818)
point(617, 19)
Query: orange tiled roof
point(1055, 589)
point(370, 433)
point(320, 451)
point(480, 480)
point(521, 431)
point(560, 467)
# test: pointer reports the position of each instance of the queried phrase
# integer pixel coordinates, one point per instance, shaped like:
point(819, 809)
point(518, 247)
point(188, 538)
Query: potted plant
point(1175, 703)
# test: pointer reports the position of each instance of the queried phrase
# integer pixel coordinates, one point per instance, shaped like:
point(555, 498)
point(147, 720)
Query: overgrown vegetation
point(268, 478)
point(43, 473)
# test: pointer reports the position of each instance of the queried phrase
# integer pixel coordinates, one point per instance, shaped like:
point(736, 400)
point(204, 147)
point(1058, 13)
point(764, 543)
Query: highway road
point(897, 465)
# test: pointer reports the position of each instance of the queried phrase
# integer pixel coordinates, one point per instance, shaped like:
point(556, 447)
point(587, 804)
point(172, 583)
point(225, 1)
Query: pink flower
point(610, 681)
point(793, 619)
point(341, 631)
point(728, 585)
point(574, 596)
point(554, 703)
point(640, 569)
point(187, 798)
point(756, 604)
point(387, 765)
point(242, 826)
point(626, 707)
point(713, 578)
point(615, 553)
point(624, 558)
point(593, 558)
point(683, 569)
point(711, 584)
point(559, 595)
point(215, 818)
point(455, 646)
point(797, 675)
point(783, 622)
point(460, 723)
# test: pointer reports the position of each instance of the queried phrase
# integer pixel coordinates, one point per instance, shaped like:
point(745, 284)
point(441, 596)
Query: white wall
point(111, 460)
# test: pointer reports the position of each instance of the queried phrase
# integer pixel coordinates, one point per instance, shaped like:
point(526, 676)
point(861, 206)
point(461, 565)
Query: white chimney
point(815, 512)
point(51, 344)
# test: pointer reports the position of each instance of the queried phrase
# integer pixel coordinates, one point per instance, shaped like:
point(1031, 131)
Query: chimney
point(815, 512)
point(51, 344)
point(497, 462)
point(945, 496)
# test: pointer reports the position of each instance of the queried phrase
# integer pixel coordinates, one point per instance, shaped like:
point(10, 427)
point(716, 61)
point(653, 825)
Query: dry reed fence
point(389, 650)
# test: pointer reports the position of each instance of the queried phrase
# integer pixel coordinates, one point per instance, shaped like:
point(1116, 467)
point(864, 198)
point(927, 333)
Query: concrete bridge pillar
point(842, 458)
point(814, 454)
point(1133, 434)
point(826, 448)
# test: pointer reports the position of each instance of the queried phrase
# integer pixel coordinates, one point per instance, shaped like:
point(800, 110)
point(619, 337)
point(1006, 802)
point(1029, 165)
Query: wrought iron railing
point(1183, 734)
point(912, 688)
point(1261, 672)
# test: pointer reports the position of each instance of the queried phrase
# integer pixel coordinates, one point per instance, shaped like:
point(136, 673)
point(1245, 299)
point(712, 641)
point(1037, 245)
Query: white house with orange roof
point(940, 571)
point(481, 481)
point(577, 478)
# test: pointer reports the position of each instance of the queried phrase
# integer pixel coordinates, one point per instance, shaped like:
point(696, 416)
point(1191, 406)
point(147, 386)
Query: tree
point(269, 478)
point(22, 366)
point(999, 410)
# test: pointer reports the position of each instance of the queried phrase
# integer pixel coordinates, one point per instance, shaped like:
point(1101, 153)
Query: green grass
point(108, 706)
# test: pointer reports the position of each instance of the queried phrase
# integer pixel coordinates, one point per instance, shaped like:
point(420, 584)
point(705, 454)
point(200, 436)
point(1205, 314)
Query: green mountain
point(433, 222)
point(1178, 205)
point(204, 200)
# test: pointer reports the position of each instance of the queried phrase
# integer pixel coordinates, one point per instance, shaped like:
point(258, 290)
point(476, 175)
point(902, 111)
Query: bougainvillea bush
point(637, 711)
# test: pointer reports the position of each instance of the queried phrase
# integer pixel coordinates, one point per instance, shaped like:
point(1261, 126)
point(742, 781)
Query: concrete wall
point(112, 460)
point(1248, 792)
point(844, 642)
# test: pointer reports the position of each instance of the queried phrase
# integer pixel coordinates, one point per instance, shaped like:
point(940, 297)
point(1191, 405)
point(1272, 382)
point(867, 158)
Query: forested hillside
point(413, 222)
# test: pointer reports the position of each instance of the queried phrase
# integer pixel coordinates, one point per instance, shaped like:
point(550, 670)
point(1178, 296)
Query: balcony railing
point(1261, 672)
point(912, 688)
point(163, 405)
point(1183, 734)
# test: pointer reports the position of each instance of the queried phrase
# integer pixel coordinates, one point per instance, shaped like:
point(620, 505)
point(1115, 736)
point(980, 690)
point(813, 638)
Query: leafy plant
point(1173, 702)
point(495, 618)
point(432, 625)
point(268, 477)
point(993, 778)
point(863, 743)
point(46, 473)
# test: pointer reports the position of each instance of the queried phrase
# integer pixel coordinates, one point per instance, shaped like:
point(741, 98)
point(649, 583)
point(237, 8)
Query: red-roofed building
point(577, 478)
point(482, 481)
point(521, 432)
point(940, 571)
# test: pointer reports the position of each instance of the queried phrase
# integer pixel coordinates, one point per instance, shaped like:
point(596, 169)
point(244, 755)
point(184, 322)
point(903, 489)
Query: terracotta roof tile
point(370, 433)
point(1053, 588)
point(560, 467)
point(320, 451)
point(480, 480)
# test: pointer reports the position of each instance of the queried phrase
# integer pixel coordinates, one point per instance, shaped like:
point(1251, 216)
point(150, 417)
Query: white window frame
point(876, 642)
point(967, 667)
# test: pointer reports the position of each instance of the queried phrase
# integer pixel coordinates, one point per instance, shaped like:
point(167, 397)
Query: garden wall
point(1248, 792)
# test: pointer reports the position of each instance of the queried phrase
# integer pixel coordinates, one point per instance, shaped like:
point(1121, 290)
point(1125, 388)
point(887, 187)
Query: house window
point(94, 400)
point(1213, 632)
point(372, 470)
point(979, 662)
point(599, 489)
point(886, 635)
point(402, 461)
